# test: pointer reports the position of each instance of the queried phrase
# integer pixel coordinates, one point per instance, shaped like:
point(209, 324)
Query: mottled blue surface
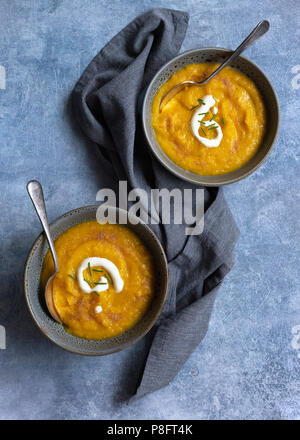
point(248, 365)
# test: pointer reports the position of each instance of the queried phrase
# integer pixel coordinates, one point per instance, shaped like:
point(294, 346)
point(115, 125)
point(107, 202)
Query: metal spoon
point(35, 192)
point(258, 31)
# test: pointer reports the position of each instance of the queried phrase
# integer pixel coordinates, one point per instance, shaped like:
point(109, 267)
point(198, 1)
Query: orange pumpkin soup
point(116, 269)
point(237, 116)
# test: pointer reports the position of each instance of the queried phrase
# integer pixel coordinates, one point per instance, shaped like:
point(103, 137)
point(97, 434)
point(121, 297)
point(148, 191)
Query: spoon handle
point(258, 31)
point(35, 192)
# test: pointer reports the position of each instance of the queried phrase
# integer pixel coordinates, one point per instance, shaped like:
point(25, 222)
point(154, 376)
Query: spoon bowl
point(49, 299)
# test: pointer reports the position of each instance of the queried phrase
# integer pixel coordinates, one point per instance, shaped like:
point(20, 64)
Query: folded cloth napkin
point(105, 102)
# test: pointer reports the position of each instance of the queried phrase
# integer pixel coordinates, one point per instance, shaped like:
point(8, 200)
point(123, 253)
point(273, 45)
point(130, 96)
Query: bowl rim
point(152, 321)
point(178, 173)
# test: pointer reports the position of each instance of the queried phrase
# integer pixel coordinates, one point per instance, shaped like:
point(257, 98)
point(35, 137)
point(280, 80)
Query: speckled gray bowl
point(218, 55)
point(56, 332)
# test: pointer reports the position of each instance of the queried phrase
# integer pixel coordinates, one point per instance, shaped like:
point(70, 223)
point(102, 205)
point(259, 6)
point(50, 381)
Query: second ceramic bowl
point(56, 332)
point(218, 55)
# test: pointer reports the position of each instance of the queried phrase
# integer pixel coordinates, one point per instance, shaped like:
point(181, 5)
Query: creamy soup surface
point(106, 279)
point(238, 117)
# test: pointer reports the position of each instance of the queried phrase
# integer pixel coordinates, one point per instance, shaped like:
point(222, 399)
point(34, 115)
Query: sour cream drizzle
point(109, 266)
point(209, 101)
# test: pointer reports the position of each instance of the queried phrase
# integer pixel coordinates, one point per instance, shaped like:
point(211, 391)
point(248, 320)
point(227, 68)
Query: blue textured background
point(246, 367)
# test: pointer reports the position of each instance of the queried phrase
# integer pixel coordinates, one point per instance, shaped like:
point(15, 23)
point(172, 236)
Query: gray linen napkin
point(106, 102)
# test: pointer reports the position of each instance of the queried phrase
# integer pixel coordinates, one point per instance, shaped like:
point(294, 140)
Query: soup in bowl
point(111, 286)
point(211, 129)
point(216, 133)
point(106, 279)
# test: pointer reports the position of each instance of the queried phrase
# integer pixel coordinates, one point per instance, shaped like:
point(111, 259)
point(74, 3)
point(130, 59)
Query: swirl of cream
point(109, 266)
point(208, 102)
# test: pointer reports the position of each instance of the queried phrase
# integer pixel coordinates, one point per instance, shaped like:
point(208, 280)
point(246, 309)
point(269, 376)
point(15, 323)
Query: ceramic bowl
point(218, 55)
point(56, 332)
